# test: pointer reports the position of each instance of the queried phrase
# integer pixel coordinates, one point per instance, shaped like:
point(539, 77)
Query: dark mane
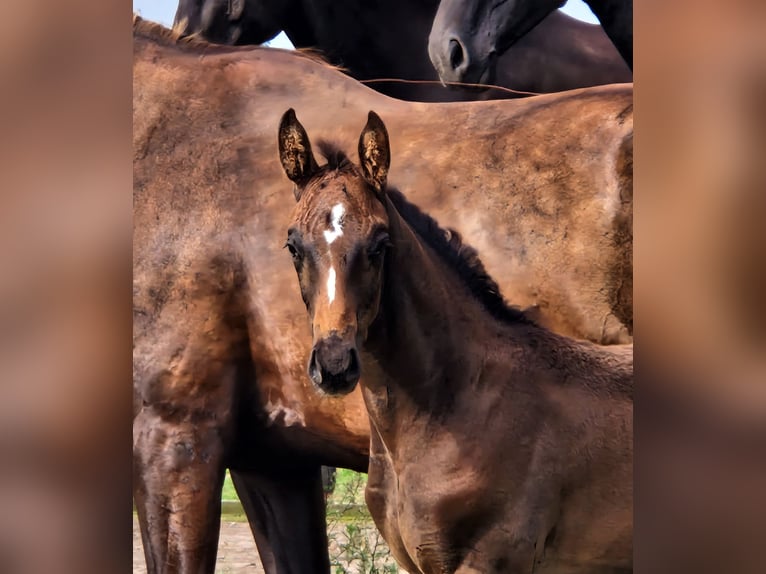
point(463, 258)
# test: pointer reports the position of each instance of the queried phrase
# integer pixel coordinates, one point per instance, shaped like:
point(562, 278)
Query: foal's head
point(337, 239)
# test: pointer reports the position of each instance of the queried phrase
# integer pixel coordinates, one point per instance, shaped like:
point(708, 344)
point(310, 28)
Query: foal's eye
point(378, 249)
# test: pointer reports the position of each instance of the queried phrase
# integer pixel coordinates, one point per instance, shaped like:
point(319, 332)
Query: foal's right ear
point(295, 152)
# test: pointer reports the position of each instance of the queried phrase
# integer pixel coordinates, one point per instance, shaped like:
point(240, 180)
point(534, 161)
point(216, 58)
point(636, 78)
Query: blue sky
point(162, 11)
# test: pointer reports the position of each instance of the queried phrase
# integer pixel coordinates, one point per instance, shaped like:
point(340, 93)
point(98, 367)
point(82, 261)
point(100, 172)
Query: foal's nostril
point(456, 55)
point(314, 371)
point(334, 365)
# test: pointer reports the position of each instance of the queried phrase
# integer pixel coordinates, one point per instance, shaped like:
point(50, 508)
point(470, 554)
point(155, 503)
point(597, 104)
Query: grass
point(228, 489)
point(345, 504)
point(346, 481)
point(356, 547)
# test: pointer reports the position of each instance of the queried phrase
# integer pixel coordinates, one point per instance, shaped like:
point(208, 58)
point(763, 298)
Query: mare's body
point(497, 446)
point(220, 335)
point(469, 37)
point(390, 40)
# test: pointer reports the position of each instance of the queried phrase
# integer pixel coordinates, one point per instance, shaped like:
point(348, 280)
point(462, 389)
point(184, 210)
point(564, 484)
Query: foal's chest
point(429, 502)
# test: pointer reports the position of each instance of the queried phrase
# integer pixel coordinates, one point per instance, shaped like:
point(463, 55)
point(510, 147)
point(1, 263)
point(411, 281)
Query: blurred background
point(65, 297)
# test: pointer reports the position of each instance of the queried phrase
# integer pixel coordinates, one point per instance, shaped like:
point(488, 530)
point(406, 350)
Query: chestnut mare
point(479, 33)
point(221, 340)
point(378, 40)
point(497, 446)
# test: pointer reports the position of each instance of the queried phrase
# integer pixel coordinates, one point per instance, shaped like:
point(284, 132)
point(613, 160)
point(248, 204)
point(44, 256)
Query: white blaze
point(331, 284)
point(331, 235)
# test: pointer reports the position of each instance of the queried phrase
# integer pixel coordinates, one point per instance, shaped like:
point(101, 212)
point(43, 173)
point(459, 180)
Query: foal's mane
point(196, 43)
point(447, 243)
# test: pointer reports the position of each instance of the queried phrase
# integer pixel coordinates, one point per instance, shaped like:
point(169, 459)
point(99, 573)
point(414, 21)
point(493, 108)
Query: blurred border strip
point(700, 252)
point(65, 295)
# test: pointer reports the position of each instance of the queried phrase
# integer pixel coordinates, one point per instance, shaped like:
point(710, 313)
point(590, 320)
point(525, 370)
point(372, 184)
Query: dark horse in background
point(389, 39)
point(470, 37)
point(497, 446)
point(221, 339)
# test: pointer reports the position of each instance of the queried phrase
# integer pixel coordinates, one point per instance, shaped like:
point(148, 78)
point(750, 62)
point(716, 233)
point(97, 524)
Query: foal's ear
point(374, 152)
point(295, 152)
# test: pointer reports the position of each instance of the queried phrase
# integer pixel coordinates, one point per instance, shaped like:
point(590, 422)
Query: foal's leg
point(286, 510)
point(178, 476)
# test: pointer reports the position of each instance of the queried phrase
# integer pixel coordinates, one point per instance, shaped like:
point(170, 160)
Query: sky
point(162, 11)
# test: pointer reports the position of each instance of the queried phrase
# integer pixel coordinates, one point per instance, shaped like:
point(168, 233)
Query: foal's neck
point(428, 323)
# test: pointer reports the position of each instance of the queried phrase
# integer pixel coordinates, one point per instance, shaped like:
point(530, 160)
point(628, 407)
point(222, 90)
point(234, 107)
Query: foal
point(496, 445)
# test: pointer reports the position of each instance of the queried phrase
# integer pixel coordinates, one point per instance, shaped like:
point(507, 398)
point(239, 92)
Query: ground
point(237, 553)
point(355, 545)
point(236, 550)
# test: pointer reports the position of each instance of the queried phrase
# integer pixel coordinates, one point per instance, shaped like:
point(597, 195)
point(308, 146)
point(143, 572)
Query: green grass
point(228, 489)
point(355, 545)
point(349, 488)
point(345, 480)
point(345, 504)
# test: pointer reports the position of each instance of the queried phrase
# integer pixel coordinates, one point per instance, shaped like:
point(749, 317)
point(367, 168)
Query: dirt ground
point(237, 553)
point(236, 550)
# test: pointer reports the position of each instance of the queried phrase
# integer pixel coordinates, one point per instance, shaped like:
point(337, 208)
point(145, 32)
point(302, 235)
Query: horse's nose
point(334, 365)
point(458, 59)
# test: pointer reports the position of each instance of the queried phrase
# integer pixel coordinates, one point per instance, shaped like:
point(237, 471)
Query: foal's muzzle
point(334, 365)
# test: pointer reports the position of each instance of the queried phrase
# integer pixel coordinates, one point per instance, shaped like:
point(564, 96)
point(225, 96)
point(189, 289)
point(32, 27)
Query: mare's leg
point(286, 511)
point(178, 476)
point(190, 359)
point(250, 499)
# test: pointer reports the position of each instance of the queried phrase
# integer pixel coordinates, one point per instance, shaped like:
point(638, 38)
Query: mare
point(378, 40)
point(497, 446)
point(221, 339)
point(469, 37)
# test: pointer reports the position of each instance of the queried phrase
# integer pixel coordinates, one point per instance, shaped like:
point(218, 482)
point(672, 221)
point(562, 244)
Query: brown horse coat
point(220, 337)
point(497, 446)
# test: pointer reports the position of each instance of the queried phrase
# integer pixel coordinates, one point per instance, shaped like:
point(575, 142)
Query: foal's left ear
point(374, 152)
point(295, 152)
